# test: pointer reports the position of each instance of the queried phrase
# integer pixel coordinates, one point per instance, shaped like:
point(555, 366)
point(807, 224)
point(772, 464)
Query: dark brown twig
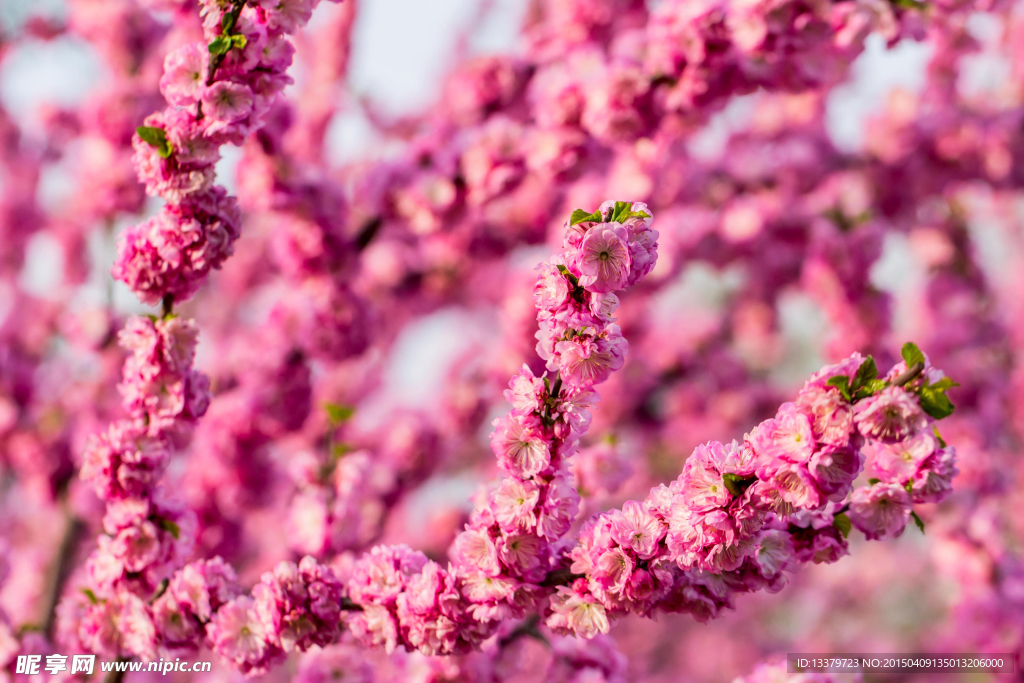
point(909, 374)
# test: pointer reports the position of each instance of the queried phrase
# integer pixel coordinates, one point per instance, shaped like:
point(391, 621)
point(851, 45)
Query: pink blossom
point(882, 509)
point(226, 103)
point(514, 504)
point(889, 416)
point(834, 470)
point(831, 416)
point(184, 77)
point(525, 391)
point(584, 362)
point(899, 462)
point(475, 548)
point(604, 258)
point(381, 575)
point(552, 289)
point(788, 436)
point(236, 633)
point(637, 529)
point(287, 15)
point(791, 483)
point(520, 445)
point(578, 614)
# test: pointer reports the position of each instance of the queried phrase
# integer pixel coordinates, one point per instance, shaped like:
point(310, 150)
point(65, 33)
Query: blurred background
point(713, 348)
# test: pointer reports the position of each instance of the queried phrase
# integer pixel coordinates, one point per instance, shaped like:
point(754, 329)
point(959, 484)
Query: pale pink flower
point(514, 504)
point(791, 482)
point(521, 553)
point(520, 446)
point(185, 73)
point(831, 416)
point(612, 570)
point(475, 548)
point(227, 103)
point(899, 462)
point(236, 633)
point(636, 528)
point(889, 416)
point(604, 258)
point(585, 361)
point(582, 615)
point(880, 510)
point(787, 436)
point(525, 391)
point(552, 289)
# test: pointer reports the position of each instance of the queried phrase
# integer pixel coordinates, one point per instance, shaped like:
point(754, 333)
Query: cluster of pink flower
point(218, 92)
point(148, 537)
point(502, 560)
point(604, 102)
point(740, 514)
point(232, 83)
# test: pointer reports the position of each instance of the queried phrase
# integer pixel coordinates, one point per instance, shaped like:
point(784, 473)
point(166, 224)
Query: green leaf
point(911, 354)
point(870, 388)
point(239, 41)
point(572, 278)
point(340, 450)
point(909, 486)
point(936, 403)
point(169, 526)
point(873, 481)
point(220, 45)
point(737, 484)
point(156, 137)
point(843, 524)
point(865, 373)
point(338, 413)
point(917, 521)
point(87, 592)
point(944, 384)
point(841, 382)
point(622, 211)
point(581, 216)
point(227, 24)
point(942, 442)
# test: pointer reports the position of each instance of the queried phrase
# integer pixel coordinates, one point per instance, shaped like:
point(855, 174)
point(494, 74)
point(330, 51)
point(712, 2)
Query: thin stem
point(116, 676)
point(216, 60)
point(528, 627)
point(59, 572)
point(348, 606)
point(167, 305)
point(560, 577)
point(909, 374)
